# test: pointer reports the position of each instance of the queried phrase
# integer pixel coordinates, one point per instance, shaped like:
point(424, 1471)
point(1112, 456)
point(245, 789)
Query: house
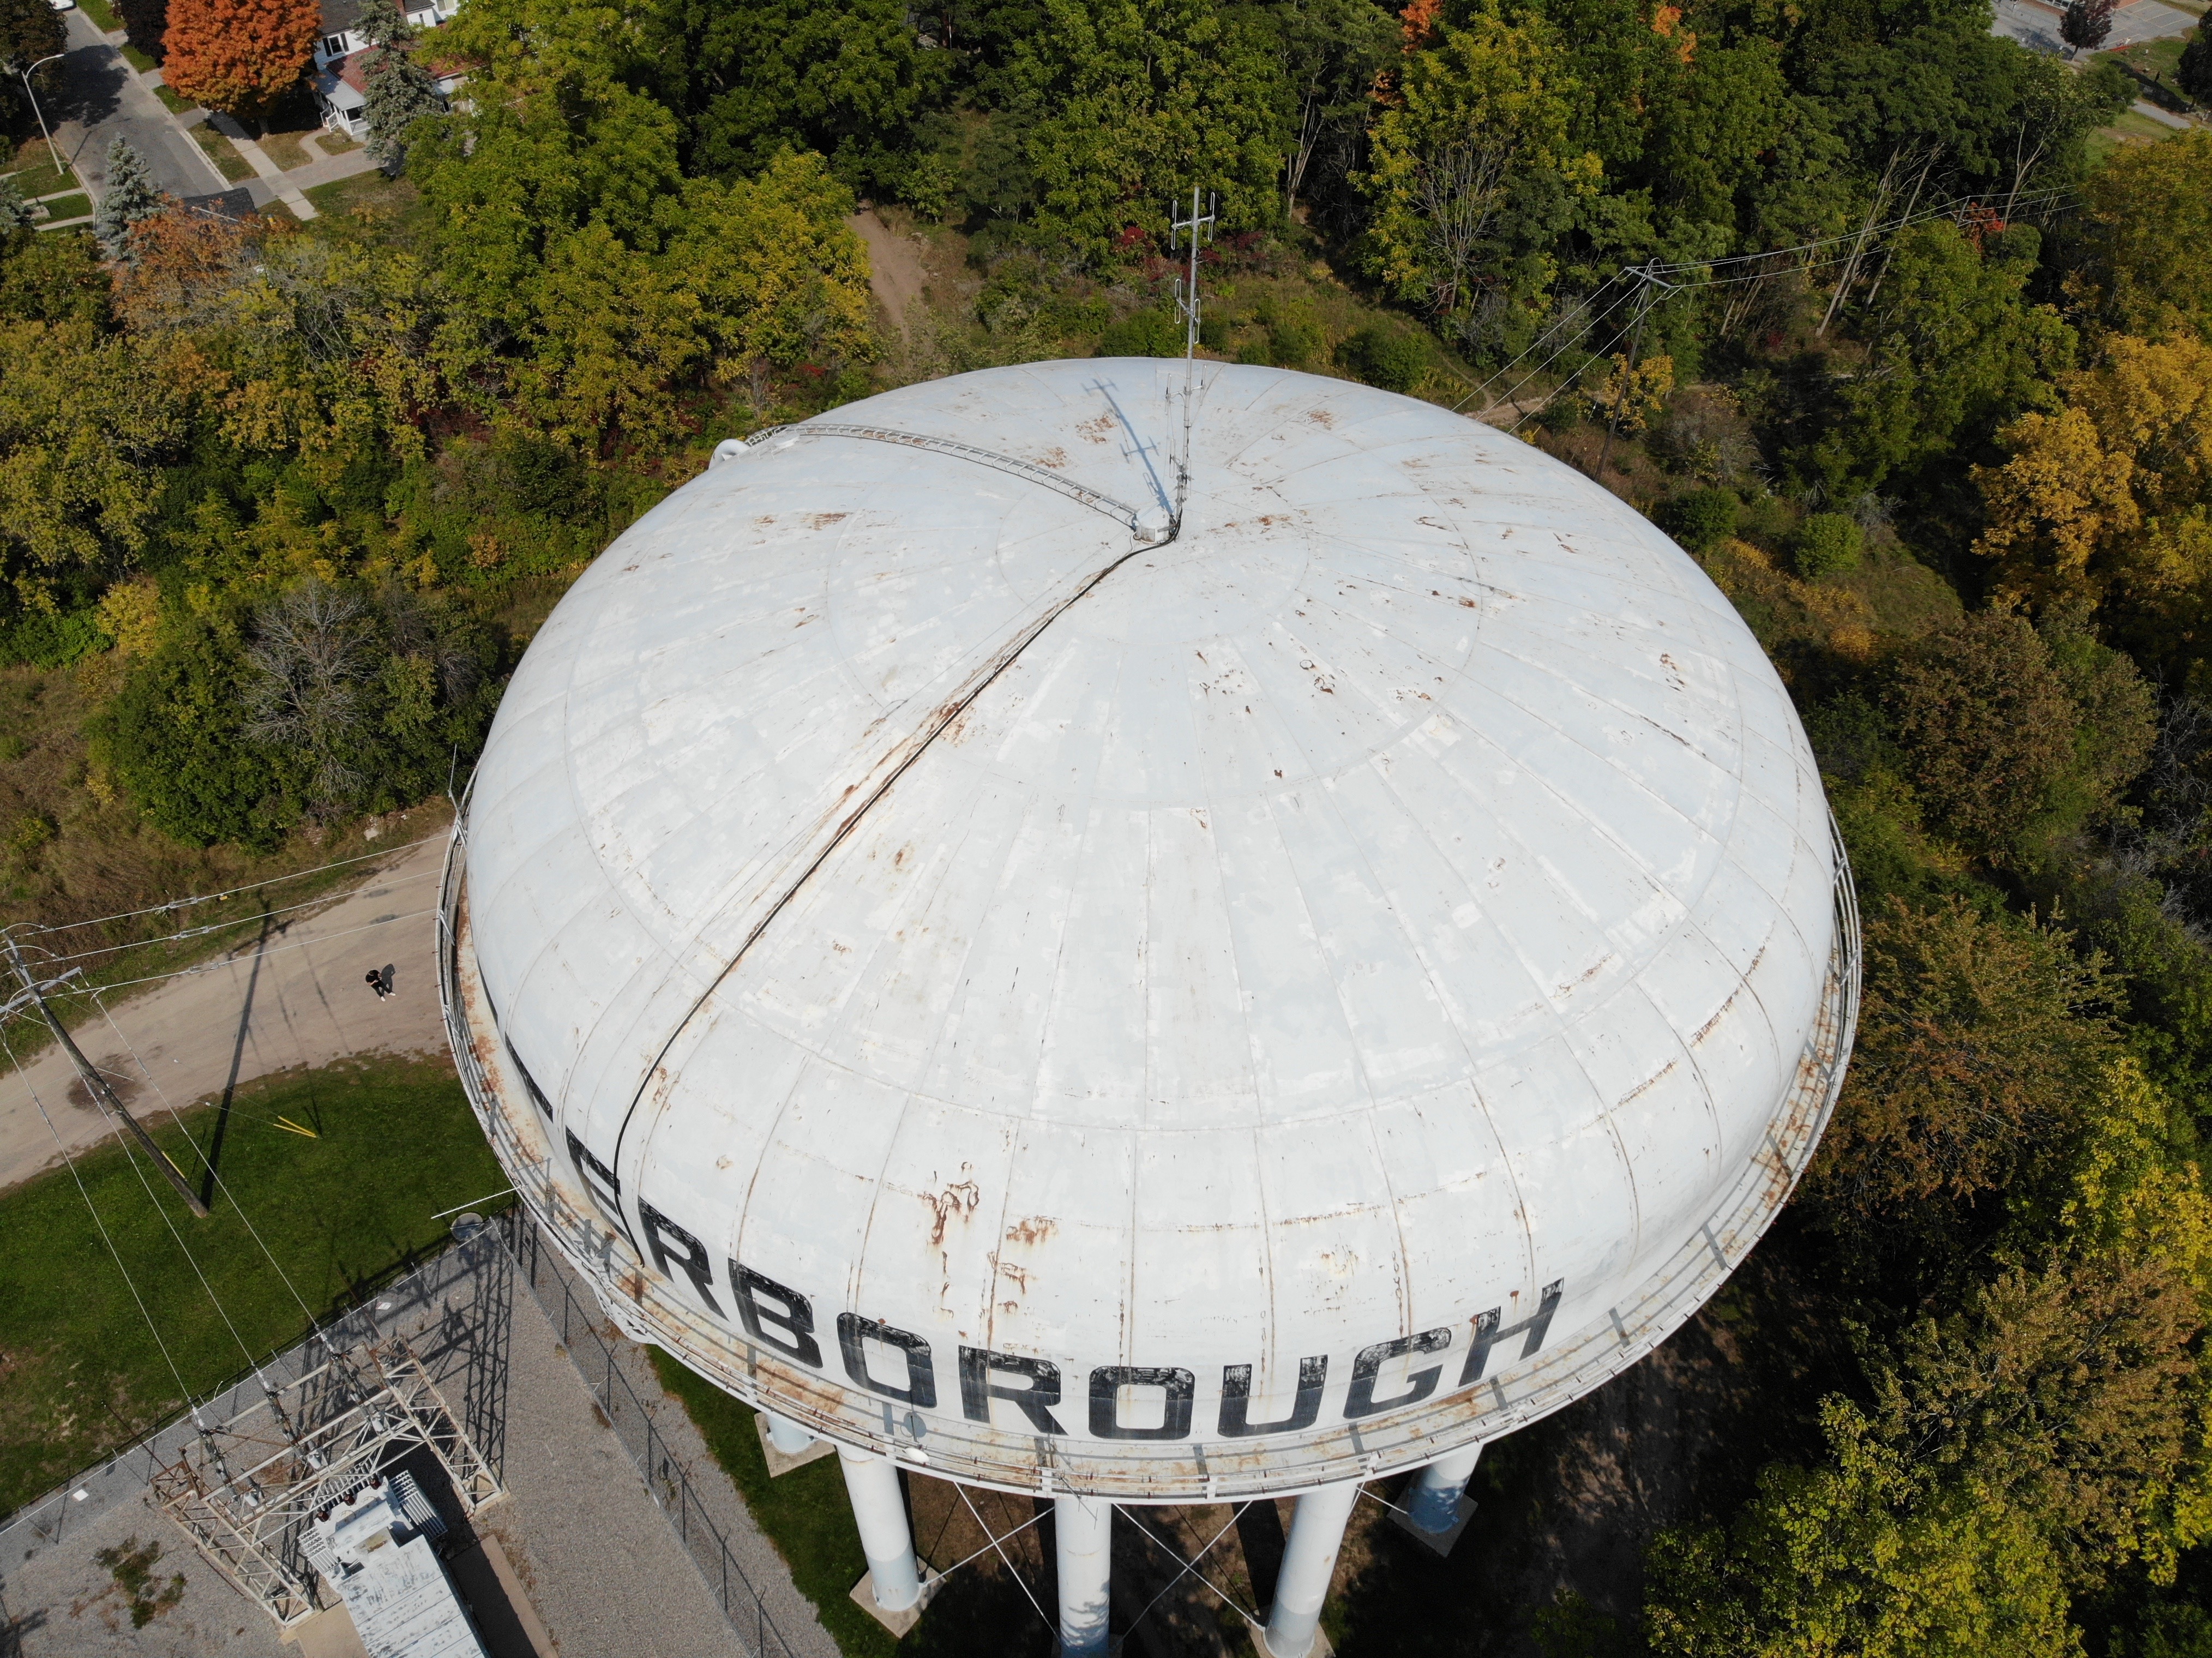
point(338, 74)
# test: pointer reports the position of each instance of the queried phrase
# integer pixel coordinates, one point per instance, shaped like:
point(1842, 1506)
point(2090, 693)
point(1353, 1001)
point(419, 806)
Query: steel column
point(1433, 1503)
point(880, 1510)
point(1309, 1561)
point(1084, 1528)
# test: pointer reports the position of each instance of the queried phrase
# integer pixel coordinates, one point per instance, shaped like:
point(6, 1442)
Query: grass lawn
point(370, 192)
point(335, 143)
point(79, 1371)
point(224, 154)
point(102, 18)
point(808, 1517)
point(138, 60)
point(36, 174)
point(285, 149)
point(2130, 129)
point(67, 207)
point(170, 101)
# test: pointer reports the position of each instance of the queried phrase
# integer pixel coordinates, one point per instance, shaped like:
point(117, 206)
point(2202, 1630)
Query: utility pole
point(97, 1084)
point(1200, 229)
point(54, 156)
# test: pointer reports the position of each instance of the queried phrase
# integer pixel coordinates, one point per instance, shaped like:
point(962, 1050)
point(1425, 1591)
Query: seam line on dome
point(1082, 495)
point(946, 714)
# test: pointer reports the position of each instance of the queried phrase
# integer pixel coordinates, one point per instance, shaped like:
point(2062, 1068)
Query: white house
point(341, 60)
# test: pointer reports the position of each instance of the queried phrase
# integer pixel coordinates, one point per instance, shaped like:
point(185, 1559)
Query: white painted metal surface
point(1166, 1021)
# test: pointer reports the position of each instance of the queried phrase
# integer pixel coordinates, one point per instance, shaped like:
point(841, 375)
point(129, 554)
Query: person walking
point(380, 981)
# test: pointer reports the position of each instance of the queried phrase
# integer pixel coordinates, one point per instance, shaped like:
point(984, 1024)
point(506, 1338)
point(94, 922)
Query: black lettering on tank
point(1236, 1399)
point(1035, 1401)
point(1487, 1333)
point(1368, 1364)
point(692, 1262)
point(529, 1083)
point(601, 1183)
point(1106, 1381)
point(794, 1317)
point(854, 1332)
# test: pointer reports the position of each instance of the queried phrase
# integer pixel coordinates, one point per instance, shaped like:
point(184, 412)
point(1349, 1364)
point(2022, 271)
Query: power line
point(214, 1174)
point(233, 892)
point(217, 926)
point(129, 1282)
point(209, 967)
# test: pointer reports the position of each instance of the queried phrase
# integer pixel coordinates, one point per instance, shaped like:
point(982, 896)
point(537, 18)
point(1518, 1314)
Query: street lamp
point(52, 154)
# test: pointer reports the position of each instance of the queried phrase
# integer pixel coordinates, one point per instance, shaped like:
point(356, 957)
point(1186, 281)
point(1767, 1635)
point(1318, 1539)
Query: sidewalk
point(274, 183)
point(104, 98)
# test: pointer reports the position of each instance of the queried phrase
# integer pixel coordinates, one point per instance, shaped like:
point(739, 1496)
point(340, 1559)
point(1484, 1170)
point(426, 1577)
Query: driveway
point(102, 100)
point(294, 998)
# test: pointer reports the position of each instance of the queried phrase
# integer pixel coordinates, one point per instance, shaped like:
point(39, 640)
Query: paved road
point(295, 1000)
point(2035, 25)
point(103, 100)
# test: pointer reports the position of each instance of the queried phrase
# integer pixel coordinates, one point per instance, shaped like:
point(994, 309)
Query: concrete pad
point(328, 1634)
point(778, 1463)
point(1439, 1542)
point(898, 1623)
point(1321, 1649)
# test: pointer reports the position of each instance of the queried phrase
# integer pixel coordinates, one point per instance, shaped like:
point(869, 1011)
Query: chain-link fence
point(578, 1317)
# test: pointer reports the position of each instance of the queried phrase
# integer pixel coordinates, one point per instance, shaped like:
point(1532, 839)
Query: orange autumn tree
point(239, 56)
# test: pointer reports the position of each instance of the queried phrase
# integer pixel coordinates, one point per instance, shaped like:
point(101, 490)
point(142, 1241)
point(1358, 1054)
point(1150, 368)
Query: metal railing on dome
point(637, 1303)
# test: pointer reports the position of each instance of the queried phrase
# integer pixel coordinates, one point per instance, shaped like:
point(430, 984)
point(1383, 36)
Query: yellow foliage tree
point(2111, 495)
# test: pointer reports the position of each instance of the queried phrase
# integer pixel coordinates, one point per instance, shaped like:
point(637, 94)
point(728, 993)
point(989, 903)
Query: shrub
point(1825, 544)
point(1703, 517)
point(1143, 334)
point(1255, 351)
point(1386, 357)
point(1295, 340)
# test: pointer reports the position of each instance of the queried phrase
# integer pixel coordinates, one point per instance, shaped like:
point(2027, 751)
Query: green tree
point(15, 211)
point(129, 197)
point(846, 78)
point(1462, 166)
point(85, 421)
point(175, 737)
point(1129, 102)
point(1988, 727)
point(1955, 350)
point(2148, 230)
point(1869, 1555)
point(1332, 52)
point(397, 90)
point(1981, 1051)
point(30, 30)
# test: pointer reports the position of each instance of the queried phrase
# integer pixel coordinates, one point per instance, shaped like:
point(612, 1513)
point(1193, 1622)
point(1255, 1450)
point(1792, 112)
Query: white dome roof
point(1395, 917)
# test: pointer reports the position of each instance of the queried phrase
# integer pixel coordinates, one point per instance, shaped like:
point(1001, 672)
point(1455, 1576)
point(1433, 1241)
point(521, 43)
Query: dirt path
point(896, 271)
point(294, 999)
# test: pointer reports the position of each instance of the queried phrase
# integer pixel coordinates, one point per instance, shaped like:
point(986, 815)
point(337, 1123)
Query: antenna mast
point(1202, 230)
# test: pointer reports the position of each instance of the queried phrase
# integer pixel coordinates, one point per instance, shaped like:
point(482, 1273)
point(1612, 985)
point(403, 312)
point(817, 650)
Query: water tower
point(1066, 997)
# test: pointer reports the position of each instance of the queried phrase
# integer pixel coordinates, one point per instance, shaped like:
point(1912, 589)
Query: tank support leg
point(1309, 1561)
point(1084, 1527)
point(1434, 1504)
point(879, 1511)
point(785, 1435)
